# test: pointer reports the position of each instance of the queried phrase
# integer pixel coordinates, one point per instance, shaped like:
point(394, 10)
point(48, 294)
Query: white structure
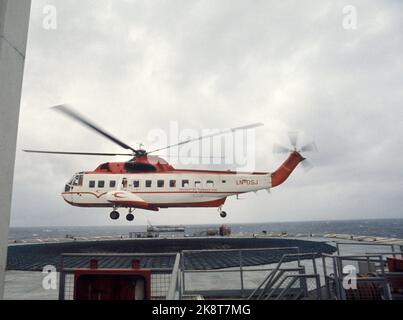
point(14, 20)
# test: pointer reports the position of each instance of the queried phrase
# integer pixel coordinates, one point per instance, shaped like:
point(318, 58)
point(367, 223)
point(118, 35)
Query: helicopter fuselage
point(151, 183)
point(162, 190)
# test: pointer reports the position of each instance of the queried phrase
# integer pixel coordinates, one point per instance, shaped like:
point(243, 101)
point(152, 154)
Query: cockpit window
point(78, 180)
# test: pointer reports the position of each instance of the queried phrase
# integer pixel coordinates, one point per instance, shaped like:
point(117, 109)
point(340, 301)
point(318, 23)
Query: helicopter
point(149, 182)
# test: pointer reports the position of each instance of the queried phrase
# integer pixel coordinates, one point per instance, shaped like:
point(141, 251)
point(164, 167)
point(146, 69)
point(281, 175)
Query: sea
point(391, 228)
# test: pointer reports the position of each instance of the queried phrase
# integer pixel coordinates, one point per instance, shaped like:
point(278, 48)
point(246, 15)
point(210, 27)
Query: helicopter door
point(197, 186)
point(124, 184)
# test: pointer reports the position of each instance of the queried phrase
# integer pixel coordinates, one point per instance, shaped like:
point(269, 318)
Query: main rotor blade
point(293, 136)
point(79, 153)
point(250, 126)
point(279, 149)
point(306, 165)
point(175, 156)
point(66, 110)
point(310, 147)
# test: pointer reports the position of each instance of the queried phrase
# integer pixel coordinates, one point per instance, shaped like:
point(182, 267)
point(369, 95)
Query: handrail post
point(381, 262)
point(318, 287)
point(388, 295)
point(327, 284)
point(340, 278)
point(183, 272)
point(299, 261)
point(336, 278)
point(241, 272)
point(173, 285)
point(62, 280)
point(393, 250)
point(303, 283)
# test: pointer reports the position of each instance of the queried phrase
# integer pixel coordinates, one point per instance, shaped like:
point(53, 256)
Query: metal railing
point(241, 270)
point(379, 279)
point(301, 292)
point(284, 274)
point(280, 283)
point(393, 247)
point(175, 290)
point(272, 285)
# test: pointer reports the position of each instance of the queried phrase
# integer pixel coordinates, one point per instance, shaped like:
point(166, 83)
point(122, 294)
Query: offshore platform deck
point(33, 257)
point(224, 268)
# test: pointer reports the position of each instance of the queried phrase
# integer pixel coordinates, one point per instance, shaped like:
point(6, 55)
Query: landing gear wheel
point(114, 215)
point(223, 214)
point(130, 217)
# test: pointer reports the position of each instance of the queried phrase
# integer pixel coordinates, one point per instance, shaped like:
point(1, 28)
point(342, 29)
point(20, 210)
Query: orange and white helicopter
point(149, 182)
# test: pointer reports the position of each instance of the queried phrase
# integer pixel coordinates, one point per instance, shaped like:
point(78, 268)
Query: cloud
point(133, 66)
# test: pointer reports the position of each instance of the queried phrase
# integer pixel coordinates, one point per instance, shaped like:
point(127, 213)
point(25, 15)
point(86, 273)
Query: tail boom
point(283, 172)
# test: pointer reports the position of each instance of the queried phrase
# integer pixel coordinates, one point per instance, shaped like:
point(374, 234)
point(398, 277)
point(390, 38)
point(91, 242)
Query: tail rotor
point(293, 137)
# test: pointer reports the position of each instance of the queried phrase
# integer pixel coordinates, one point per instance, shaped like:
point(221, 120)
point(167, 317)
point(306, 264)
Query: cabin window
point(148, 183)
point(101, 184)
point(197, 184)
point(185, 183)
point(160, 183)
point(112, 184)
point(210, 184)
point(172, 183)
point(92, 184)
point(224, 181)
point(136, 184)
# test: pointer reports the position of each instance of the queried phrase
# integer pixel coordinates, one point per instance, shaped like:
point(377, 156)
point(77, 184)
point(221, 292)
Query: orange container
point(396, 265)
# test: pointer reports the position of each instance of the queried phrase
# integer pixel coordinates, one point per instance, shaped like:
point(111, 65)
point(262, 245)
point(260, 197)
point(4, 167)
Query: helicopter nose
point(67, 197)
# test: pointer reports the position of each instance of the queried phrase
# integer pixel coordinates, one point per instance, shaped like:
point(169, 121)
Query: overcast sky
point(134, 66)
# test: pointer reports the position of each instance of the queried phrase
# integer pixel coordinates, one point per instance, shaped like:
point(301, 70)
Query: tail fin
point(284, 171)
